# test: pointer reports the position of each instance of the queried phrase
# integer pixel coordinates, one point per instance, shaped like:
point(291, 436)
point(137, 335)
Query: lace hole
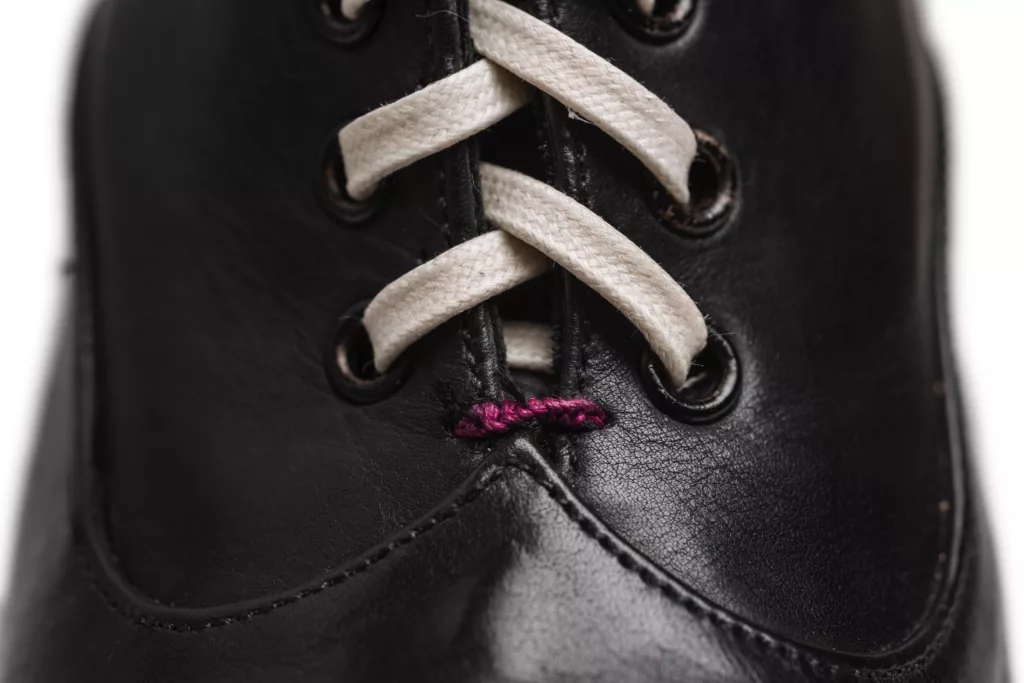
point(711, 390)
point(335, 198)
point(665, 21)
point(349, 363)
point(341, 30)
point(714, 186)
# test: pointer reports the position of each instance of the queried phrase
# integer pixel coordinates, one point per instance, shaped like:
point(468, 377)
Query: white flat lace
point(534, 223)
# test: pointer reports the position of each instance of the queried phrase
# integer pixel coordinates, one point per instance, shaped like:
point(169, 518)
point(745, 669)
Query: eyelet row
point(713, 387)
point(714, 186)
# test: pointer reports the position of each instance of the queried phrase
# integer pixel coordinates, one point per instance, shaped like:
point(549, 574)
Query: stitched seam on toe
point(362, 566)
point(587, 523)
point(783, 651)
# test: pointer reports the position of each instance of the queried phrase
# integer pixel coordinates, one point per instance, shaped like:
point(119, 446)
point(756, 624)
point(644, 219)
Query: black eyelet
point(711, 390)
point(346, 32)
point(670, 19)
point(333, 195)
point(348, 361)
point(714, 187)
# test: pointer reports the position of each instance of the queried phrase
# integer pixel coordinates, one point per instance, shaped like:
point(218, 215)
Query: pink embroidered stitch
point(489, 419)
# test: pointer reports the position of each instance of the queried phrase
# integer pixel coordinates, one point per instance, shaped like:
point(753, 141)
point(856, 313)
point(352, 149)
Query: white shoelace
point(535, 223)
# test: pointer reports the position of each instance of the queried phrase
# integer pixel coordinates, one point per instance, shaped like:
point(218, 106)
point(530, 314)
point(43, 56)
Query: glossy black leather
point(219, 280)
point(204, 508)
point(836, 467)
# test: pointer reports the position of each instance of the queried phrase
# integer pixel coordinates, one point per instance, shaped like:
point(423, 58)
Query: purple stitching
point(488, 419)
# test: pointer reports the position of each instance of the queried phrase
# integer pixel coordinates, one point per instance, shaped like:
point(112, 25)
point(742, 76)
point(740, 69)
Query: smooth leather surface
point(510, 579)
point(203, 508)
point(220, 279)
point(823, 505)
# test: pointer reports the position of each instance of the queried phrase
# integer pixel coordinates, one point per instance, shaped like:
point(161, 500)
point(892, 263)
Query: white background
point(981, 49)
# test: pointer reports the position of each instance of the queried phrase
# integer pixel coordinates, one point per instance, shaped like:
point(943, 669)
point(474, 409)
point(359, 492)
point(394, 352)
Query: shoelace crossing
point(535, 223)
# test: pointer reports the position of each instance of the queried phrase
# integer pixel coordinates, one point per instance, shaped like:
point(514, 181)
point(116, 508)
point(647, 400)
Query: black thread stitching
point(476, 353)
point(772, 646)
point(784, 652)
point(364, 566)
point(562, 137)
point(465, 335)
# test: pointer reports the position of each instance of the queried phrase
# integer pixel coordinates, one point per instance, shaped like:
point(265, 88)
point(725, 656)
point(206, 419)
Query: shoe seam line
point(363, 565)
point(627, 558)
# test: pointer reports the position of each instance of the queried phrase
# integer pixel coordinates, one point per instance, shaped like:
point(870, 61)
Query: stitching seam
point(364, 566)
point(464, 333)
point(783, 651)
point(626, 558)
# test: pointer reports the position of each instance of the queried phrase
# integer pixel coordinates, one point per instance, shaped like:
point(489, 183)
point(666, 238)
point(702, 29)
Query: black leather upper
point(205, 508)
point(219, 280)
point(821, 507)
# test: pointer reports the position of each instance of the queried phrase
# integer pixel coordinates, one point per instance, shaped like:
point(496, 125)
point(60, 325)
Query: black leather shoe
point(221, 495)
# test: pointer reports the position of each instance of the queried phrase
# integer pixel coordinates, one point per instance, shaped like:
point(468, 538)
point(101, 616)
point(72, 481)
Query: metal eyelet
point(714, 190)
point(335, 198)
point(669, 19)
point(342, 31)
point(348, 361)
point(711, 390)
